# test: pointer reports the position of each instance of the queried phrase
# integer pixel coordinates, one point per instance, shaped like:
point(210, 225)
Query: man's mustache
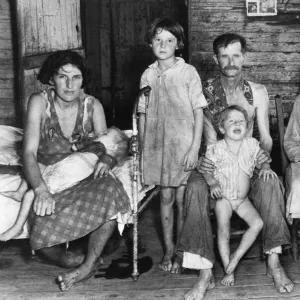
point(231, 68)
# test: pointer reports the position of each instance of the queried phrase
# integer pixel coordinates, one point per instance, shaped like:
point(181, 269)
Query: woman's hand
point(205, 165)
point(190, 159)
point(43, 204)
point(103, 170)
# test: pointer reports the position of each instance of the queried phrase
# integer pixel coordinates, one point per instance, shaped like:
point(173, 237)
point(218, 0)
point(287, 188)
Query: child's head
point(116, 142)
point(233, 122)
point(59, 59)
point(168, 25)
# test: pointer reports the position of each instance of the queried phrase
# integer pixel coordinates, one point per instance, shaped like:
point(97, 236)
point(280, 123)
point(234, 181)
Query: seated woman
point(292, 149)
point(68, 172)
point(56, 118)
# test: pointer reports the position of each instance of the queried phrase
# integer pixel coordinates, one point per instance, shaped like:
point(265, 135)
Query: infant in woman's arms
point(69, 171)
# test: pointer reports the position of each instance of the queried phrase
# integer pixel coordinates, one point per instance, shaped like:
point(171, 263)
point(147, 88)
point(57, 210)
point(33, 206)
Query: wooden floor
point(23, 277)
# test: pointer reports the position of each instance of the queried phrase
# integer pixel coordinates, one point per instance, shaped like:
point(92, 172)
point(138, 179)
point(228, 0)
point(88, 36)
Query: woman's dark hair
point(226, 39)
point(226, 111)
point(59, 59)
point(169, 25)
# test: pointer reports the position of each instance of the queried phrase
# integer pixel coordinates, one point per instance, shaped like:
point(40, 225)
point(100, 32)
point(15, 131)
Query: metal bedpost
point(136, 174)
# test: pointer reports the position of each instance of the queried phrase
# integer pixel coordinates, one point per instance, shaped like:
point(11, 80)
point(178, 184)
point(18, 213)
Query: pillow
point(10, 145)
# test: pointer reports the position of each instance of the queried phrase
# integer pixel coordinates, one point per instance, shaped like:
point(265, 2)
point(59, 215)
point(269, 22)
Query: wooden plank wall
point(117, 51)
point(43, 27)
point(273, 43)
point(8, 108)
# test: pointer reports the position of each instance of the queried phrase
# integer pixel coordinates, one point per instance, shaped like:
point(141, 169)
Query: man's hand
point(103, 170)
point(190, 159)
point(205, 165)
point(262, 157)
point(43, 204)
point(266, 173)
point(215, 191)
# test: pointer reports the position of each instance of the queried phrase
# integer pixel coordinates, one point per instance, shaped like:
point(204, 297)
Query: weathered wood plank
point(39, 34)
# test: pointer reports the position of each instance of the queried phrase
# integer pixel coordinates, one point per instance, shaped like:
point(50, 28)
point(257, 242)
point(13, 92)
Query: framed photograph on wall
point(261, 7)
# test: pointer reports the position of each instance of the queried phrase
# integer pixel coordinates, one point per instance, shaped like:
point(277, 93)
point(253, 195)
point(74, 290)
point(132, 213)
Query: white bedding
point(10, 155)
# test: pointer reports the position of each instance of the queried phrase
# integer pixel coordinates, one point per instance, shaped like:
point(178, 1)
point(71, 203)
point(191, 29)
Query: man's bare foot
point(15, 195)
point(205, 283)
point(10, 233)
point(76, 276)
point(275, 271)
point(166, 262)
point(177, 263)
point(228, 279)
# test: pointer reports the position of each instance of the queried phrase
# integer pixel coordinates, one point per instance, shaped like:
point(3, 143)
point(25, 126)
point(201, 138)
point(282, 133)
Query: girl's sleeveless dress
point(84, 207)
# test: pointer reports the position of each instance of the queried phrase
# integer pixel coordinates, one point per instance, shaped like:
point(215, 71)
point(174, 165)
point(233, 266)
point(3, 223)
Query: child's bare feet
point(204, 283)
point(15, 195)
point(228, 279)
point(177, 263)
point(166, 262)
point(10, 233)
point(234, 260)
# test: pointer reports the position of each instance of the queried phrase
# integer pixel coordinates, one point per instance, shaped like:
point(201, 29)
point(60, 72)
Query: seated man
point(292, 149)
point(196, 242)
point(69, 172)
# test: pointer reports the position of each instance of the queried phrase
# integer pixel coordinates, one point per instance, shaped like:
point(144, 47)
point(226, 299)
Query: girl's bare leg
point(167, 198)
point(248, 213)
point(223, 212)
point(179, 197)
point(21, 219)
point(19, 193)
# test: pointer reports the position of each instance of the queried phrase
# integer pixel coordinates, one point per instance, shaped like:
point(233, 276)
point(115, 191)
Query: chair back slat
point(281, 131)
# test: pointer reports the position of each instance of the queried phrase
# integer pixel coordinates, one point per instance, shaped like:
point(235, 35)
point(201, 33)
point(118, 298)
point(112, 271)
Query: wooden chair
point(281, 111)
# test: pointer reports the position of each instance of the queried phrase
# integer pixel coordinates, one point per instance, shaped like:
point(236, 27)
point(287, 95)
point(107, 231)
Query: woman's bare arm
point(44, 203)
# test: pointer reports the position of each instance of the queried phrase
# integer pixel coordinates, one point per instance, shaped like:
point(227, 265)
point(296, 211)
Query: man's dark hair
point(226, 111)
point(169, 25)
point(59, 59)
point(226, 39)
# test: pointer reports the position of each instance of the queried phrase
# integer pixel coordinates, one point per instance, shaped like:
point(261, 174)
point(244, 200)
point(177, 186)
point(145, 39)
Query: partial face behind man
point(230, 59)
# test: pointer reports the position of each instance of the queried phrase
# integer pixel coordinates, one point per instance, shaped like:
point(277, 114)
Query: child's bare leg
point(19, 193)
point(17, 228)
point(179, 197)
point(167, 198)
point(223, 212)
point(248, 213)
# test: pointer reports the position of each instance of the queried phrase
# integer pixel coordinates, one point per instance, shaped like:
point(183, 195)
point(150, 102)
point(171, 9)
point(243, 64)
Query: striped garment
point(227, 164)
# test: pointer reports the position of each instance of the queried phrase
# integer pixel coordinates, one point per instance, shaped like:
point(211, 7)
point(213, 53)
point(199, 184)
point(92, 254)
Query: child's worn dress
point(227, 164)
point(175, 94)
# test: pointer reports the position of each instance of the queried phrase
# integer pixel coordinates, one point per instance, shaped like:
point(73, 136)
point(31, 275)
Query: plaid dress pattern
point(84, 207)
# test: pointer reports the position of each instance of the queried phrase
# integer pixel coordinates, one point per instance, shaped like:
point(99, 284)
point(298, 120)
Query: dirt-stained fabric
point(175, 94)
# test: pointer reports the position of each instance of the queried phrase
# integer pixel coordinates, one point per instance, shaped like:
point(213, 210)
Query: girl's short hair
point(169, 25)
point(224, 114)
point(59, 59)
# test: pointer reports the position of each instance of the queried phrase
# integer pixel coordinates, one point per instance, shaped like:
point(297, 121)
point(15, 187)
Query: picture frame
point(261, 7)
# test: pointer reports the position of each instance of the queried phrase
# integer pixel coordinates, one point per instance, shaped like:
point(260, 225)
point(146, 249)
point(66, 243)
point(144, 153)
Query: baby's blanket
point(10, 150)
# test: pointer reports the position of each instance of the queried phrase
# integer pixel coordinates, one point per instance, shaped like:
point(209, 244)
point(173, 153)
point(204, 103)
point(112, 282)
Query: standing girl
point(170, 127)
